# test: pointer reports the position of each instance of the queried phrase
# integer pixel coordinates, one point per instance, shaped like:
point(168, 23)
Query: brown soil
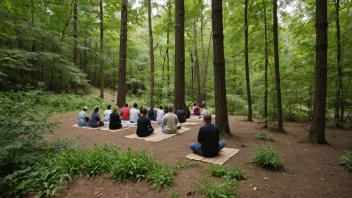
point(310, 170)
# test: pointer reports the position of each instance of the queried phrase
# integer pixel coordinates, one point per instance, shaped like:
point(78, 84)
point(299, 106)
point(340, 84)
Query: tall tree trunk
point(121, 91)
point(192, 73)
point(202, 91)
point(75, 40)
point(249, 97)
point(151, 53)
point(338, 101)
point(179, 90)
point(205, 72)
point(221, 119)
point(85, 55)
point(277, 68)
point(101, 50)
point(169, 7)
point(196, 63)
point(266, 67)
point(317, 132)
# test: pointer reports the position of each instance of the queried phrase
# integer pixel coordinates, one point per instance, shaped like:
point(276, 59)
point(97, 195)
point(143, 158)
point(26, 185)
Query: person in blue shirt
point(95, 119)
point(83, 119)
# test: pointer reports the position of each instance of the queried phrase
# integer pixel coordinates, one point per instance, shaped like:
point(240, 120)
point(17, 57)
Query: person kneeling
point(208, 138)
point(144, 127)
point(115, 122)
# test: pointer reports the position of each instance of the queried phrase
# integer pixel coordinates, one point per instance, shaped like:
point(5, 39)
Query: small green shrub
point(346, 159)
point(225, 189)
point(237, 174)
point(263, 136)
point(217, 170)
point(267, 156)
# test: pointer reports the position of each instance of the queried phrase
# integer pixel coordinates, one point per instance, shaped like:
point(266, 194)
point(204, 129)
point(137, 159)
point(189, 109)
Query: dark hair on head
point(96, 109)
point(180, 107)
point(144, 111)
point(109, 106)
point(165, 109)
point(135, 105)
point(195, 104)
point(126, 105)
point(170, 109)
point(161, 107)
point(151, 107)
point(207, 118)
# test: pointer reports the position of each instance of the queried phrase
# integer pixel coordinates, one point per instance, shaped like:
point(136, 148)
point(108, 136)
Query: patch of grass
point(263, 136)
point(346, 159)
point(224, 189)
point(267, 156)
point(217, 170)
point(221, 171)
point(237, 174)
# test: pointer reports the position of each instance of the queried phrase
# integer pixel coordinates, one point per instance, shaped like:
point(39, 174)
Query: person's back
point(144, 127)
point(181, 115)
point(209, 137)
point(134, 114)
point(115, 122)
point(82, 118)
point(95, 120)
point(107, 113)
point(126, 113)
point(196, 110)
point(159, 116)
point(170, 122)
point(151, 114)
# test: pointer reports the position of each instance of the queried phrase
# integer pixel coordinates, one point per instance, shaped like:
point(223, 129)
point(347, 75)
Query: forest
point(280, 64)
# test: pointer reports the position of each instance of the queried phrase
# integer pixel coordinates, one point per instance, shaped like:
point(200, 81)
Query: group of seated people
point(208, 137)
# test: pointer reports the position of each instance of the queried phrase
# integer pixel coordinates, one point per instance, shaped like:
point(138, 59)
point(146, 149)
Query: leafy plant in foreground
point(217, 170)
point(221, 171)
point(225, 189)
point(263, 136)
point(237, 174)
point(346, 159)
point(267, 156)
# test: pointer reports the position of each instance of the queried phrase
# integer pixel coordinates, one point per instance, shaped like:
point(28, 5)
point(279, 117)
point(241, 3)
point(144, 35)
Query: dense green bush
point(267, 156)
point(346, 159)
point(55, 170)
point(225, 189)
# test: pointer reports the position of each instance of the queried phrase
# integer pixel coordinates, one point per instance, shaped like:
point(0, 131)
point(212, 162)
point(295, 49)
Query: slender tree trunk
point(202, 91)
point(317, 132)
point(221, 119)
point(151, 53)
point(43, 64)
point(266, 68)
point(170, 22)
point(179, 90)
point(196, 63)
point(95, 70)
point(121, 92)
point(249, 97)
point(85, 55)
point(338, 101)
point(101, 50)
point(75, 39)
point(205, 73)
point(192, 72)
point(277, 68)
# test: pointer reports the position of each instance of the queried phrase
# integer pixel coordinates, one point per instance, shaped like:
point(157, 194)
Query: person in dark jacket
point(144, 127)
point(208, 138)
point(115, 121)
point(151, 114)
point(181, 115)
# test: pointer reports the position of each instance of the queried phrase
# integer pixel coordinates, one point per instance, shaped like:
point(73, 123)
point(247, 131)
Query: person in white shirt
point(134, 114)
point(159, 115)
point(205, 111)
point(107, 113)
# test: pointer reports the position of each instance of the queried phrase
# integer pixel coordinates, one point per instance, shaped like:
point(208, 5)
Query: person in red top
point(126, 113)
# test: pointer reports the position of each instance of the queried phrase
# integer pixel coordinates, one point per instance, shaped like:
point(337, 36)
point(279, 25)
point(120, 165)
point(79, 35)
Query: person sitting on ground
point(83, 119)
point(196, 110)
point(159, 115)
point(144, 127)
point(95, 119)
point(188, 112)
point(170, 122)
point(208, 138)
point(205, 110)
point(181, 115)
point(107, 113)
point(165, 110)
point(125, 113)
point(115, 122)
point(203, 104)
point(140, 109)
point(151, 114)
point(134, 114)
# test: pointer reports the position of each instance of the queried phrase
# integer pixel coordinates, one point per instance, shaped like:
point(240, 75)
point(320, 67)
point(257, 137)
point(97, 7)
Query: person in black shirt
point(187, 111)
point(115, 122)
point(151, 114)
point(181, 115)
point(144, 128)
point(208, 138)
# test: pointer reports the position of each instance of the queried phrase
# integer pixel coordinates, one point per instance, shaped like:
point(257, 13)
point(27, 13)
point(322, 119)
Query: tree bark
point(317, 132)
point(266, 68)
point(101, 50)
point(192, 73)
point(196, 63)
point(249, 97)
point(221, 119)
point(179, 89)
point(121, 92)
point(151, 54)
point(169, 7)
point(75, 40)
point(277, 68)
point(338, 102)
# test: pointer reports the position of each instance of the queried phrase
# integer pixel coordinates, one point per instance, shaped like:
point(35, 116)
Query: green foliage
point(225, 189)
point(237, 174)
point(217, 170)
point(221, 171)
point(267, 156)
point(236, 105)
point(263, 136)
point(346, 159)
point(53, 171)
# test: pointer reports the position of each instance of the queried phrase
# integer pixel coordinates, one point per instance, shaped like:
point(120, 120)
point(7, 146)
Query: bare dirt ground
point(310, 170)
